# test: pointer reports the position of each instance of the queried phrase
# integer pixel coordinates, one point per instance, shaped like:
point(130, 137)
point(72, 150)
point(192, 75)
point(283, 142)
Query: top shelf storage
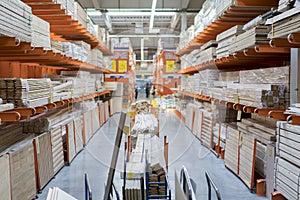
point(239, 13)
point(63, 27)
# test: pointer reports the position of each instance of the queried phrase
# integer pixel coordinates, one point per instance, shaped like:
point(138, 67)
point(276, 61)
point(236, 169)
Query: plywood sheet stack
point(208, 51)
point(43, 154)
point(25, 92)
point(57, 149)
point(232, 148)
point(96, 58)
point(78, 133)
point(206, 81)
point(40, 33)
point(208, 122)
point(285, 23)
point(250, 38)
point(198, 118)
point(69, 144)
point(84, 51)
point(15, 20)
point(287, 166)
point(247, 159)
point(226, 39)
point(5, 187)
point(22, 171)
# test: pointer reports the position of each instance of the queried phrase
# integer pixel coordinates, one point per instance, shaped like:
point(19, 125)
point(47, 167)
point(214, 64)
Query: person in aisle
point(136, 92)
point(153, 91)
point(147, 90)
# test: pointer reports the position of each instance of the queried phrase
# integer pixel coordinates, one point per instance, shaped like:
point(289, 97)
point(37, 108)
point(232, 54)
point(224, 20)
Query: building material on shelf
point(207, 129)
point(25, 92)
point(5, 107)
point(16, 20)
point(5, 187)
point(78, 133)
point(57, 149)
point(80, 14)
point(44, 161)
point(198, 118)
point(40, 33)
point(226, 39)
point(87, 127)
point(145, 124)
point(252, 37)
point(70, 142)
point(232, 148)
point(22, 171)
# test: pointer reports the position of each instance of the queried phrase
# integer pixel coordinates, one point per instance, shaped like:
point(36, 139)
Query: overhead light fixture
point(152, 14)
point(140, 13)
point(93, 12)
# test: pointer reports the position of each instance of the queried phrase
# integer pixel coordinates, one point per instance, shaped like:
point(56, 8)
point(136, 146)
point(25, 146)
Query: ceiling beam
point(107, 21)
point(174, 21)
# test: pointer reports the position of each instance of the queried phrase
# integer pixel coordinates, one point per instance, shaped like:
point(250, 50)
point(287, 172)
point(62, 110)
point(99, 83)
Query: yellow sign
point(170, 66)
point(113, 65)
point(154, 104)
point(130, 114)
point(122, 65)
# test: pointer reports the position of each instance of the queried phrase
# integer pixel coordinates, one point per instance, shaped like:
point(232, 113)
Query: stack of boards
point(25, 92)
point(15, 20)
point(232, 148)
point(40, 33)
point(287, 166)
point(6, 106)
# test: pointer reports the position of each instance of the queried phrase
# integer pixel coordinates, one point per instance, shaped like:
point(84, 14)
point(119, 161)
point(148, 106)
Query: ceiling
point(131, 18)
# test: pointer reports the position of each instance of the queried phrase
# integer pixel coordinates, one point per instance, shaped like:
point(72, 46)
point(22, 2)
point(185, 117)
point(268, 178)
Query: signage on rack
point(170, 66)
point(113, 65)
point(122, 66)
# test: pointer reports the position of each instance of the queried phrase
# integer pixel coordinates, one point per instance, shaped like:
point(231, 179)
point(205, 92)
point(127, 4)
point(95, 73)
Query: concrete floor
point(184, 149)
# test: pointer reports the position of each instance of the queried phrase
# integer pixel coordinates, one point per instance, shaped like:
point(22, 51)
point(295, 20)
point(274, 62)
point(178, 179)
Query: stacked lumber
point(293, 109)
point(96, 58)
point(223, 134)
point(22, 171)
point(76, 50)
point(80, 14)
point(25, 92)
point(247, 159)
point(40, 33)
point(232, 148)
point(285, 23)
point(44, 161)
point(157, 174)
point(133, 190)
point(250, 38)
point(287, 166)
point(57, 47)
point(207, 129)
point(206, 53)
point(10, 135)
point(57, 149)
point(6, 106)
point(226, 39)
point(198, 118)
point(5, 187)
point(15, 20)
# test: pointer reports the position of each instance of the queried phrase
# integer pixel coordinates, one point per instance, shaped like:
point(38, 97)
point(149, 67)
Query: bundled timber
point(5, 187)
point(44, 161)
point(40, 33)
point(57, 149)
point(15, 20)
point(22, 170)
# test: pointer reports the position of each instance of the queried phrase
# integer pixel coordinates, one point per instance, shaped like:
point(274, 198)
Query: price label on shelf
point(113, 65)
point(122, 65)
point(170, 66)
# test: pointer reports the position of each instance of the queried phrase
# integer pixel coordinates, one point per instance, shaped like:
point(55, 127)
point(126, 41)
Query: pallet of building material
point(232, 149)
point(78, 134)
point(14, 20)
point(5, 187)
point(57, 149)
point(22, 171)
point(70, 142)
point(252, 37)
point(197, 122)
point(287, 178)
point(43, 158)
point(207, 130)
point(247, 159)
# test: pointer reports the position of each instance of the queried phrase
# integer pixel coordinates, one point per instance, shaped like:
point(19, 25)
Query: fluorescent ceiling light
point(140, 13)
point(152, 13)
point(93, 12)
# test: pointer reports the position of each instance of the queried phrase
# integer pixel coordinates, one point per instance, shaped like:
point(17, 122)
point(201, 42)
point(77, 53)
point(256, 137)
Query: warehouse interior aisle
point(184, 149)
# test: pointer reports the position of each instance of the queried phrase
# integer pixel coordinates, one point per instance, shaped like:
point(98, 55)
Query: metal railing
point(88, 190)
point(210, 183)
point(186, 184)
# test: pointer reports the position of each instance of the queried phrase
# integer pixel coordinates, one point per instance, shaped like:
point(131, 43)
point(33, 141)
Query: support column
point(294, 76)
point(183, 21)
point(142, 49)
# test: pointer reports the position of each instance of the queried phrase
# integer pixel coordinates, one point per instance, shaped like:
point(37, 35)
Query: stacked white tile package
point(226, 39)
point(15, 20)
point(252, 37)
point(287, 166)
point(84, 52)
point(80, 14)
point(61, 91)
point(96, 58)
point(25, 92)
point(40, 33)
point(206, 81)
